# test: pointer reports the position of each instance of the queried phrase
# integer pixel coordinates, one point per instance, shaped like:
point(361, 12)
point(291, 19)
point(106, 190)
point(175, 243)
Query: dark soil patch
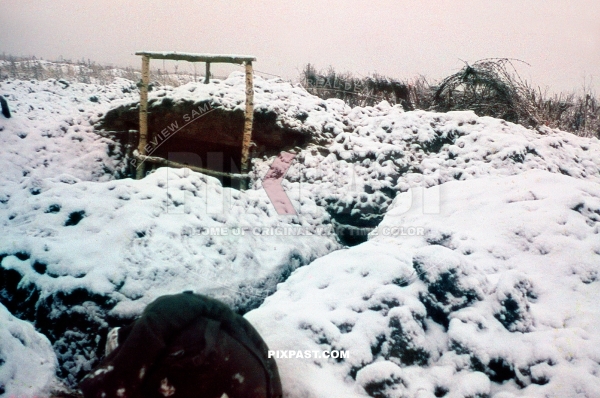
point(200, 134)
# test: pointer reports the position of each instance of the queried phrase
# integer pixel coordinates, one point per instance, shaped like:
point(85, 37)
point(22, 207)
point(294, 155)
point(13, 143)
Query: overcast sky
point(398, 38)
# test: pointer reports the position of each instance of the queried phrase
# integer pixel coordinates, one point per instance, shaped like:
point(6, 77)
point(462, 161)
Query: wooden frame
point(208, 59)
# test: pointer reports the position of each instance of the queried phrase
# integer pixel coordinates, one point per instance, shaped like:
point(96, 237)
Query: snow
point(165, 218)
point(132, 241)
point(379, 151)
point(504, 276)
point(479, 276)
point(27, 362)
point(295, 108)
point(78, 235)
point(387, 151)
point(50, 132)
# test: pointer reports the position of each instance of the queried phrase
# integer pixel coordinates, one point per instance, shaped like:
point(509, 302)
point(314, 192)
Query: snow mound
point(50, 132)
point(81, 257)
point(497, 297)
point(294, 108)
point(387, 151)
point(27, 362)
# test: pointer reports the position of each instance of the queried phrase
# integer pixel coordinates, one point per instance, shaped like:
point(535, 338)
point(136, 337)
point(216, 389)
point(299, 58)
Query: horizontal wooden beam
point(169, 163)
point(191, 57)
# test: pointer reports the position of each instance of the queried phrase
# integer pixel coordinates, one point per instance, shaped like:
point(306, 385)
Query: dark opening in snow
point(500, 371)
point(208, 137)
point(74, 218)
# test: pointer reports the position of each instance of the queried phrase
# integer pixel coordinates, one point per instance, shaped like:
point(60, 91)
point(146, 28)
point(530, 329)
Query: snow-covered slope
point(50, 132)
point(388, 151)
point(492, 296)
point(27, 362)
point(359, 159)
point(82, 255)
point(497, 298)
point(82, 251)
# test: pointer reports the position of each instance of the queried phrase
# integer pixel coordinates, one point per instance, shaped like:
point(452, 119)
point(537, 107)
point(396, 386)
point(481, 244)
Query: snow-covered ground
point(498, 298)
point(84, 251)
point(27, 362)
point(483, 284)
point(389, 151)
point(359, 159)
point(50, 132)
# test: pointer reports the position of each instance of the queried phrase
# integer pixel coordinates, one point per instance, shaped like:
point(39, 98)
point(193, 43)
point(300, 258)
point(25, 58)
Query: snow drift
point(85, 256)
point(495, 299)
point(27, 362)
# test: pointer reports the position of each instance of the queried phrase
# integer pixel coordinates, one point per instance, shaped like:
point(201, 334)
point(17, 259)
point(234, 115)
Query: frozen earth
point(479, 277)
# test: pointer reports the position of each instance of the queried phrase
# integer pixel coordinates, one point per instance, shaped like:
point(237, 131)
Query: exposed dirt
point(202, 135)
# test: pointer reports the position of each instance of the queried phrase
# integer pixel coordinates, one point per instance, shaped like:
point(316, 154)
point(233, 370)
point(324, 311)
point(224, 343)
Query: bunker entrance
point(211, 147)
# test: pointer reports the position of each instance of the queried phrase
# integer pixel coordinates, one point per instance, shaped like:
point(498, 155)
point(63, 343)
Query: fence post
point(207, 76)
point(248, 119)
point(143, 113)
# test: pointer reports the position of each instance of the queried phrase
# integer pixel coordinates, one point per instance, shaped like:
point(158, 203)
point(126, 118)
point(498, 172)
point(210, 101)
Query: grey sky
point(401, 38)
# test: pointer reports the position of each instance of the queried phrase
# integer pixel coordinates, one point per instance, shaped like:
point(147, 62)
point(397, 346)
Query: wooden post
point(143, 113)
point(207, 76)
point(248, 118)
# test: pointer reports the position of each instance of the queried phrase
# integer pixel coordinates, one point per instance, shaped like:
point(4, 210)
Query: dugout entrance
point(146, 136)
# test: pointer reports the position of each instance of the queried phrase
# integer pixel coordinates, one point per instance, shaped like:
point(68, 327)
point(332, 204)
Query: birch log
point(248, 118)
point(190, 57)
point(143, 113)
